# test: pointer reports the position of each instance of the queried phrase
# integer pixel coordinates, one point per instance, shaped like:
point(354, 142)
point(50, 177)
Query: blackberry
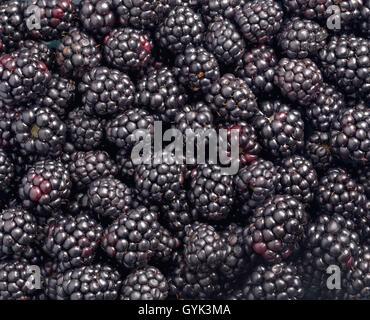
point(231, 99)
point(127, 49)
point(327, 106)
point(45, 187)
point(350, 135)
point(204, 248)
point(182, 27)
point(40, 131)
point(298, 79)
point(106, 91)
point(211, 192)
point(23, 78)
point(259, 20)
point(318, 150)
point(298, 178)
point(339, 193)
point(167, 246)
point(197, 69)
point(145, 284)
point(213, 9)
point(7, 171)
point(59, 95)
point(257, 68)
point(280, 128)
point(345, 61)
point(94, 282)
point(77, 53)
point(223, 40)
point(37, 49)
point(109, 197)
point(73, 241)
point(85, 167)
point(255, 183)
point(131, 239)
point(126, 166)
point(159, 91)
point(84, 131)
point(276, 228)
point(97, 16)
point(300, 38)
point(17, 231)
point(328, 241)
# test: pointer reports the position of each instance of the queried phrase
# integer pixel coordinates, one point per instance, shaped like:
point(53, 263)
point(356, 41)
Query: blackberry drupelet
point(224, 41)
point(40, 131)
point(159, 91)
point(132, 239)
point(257, 69)
point(108, 198)
point(145, 284)
point(182, 27)
point(213, 9)
point(301, 38)
point(259, 20)
point(318, 150)
point(76, 53)
point(197, 69)
point(73, 241)
point(298, 79)
point(211, 192)
point(298, 178)
point(94, 282)
point(106, 91)
point(7, 171)
point(45, 187)
point(37, 49)
point(276, 228)
point(127, 49)
point(231, 99)
point(280, 128)
point(85, 167)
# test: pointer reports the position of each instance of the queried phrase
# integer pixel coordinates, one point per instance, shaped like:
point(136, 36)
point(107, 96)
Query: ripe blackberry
point(197, 69)
point(59, 95)
point(257, 68)
point(259, 20)
point(182, 27)
point(12, 24)
point(255, 183)
point(127, 49)
point(7, 171)
point(73, 241)
point(45, 187)
point(339, 193)
point(76, 53)
point(84, 131)
point(350, 135)
point(298, 79)
point(223, 40)
point(276, 228)
point(56, 18)
point(280, 128)
point(300, 38)
point(131, 239)
point(126, 167)
point(318, 150)
point(298, 178)
point(94, 282)
point(231, 99)
point(204, 248)
point(40, 131)
point(328, 241)
point(159, 91)
point(85, 167)
point(345, 61)
point(145, 284)
point(213, 9)
point(109, 197)
point(97, 16)
point(106, 91)
point(211, 192)
point(17, 231)
point(37, 49)
point(23, 78)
